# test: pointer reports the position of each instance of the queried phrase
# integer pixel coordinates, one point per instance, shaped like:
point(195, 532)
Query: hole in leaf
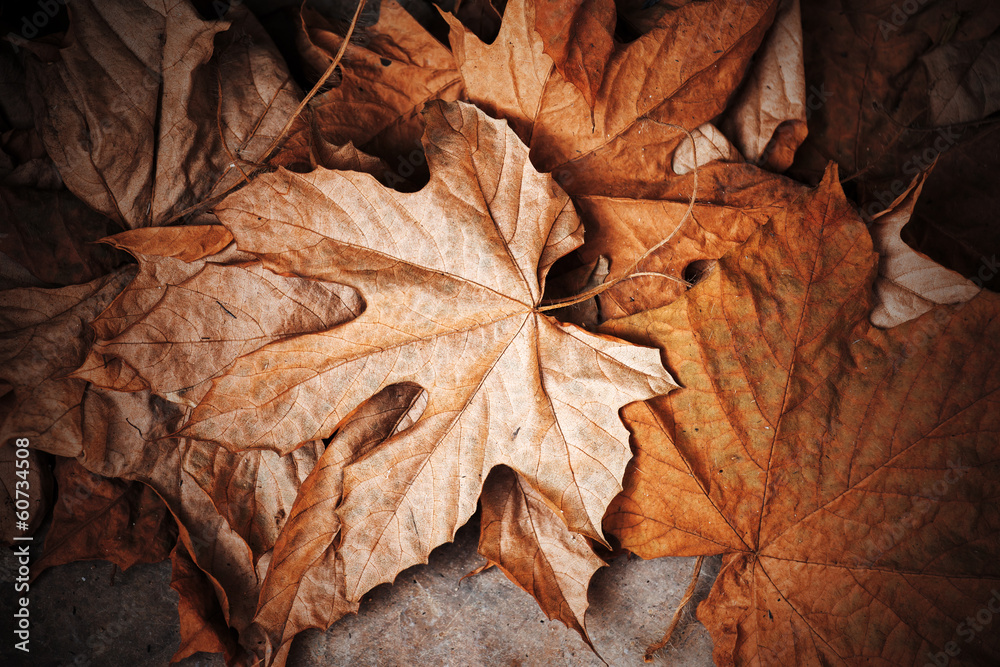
point(697, 270)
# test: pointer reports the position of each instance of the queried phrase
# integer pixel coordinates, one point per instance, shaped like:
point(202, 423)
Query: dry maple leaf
point(849, 485)
point(732, 201)
point(43, 335)
point(909, 283)
point(767, 120)
point(147, 109)
point(384, 82)
point(97, 518)
point(681, 72)
point(451, 277)
point(202, 625)
point(305, 586)
point(227, 525)
point(523, 536)
point(196, 305)
point(879, 110)
point(579, 37)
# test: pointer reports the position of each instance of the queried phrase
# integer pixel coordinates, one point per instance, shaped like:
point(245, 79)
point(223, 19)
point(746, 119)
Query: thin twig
point(569, 301)
point(677, 614)
point(266, 155)
point(319, 84)
point(654, 274)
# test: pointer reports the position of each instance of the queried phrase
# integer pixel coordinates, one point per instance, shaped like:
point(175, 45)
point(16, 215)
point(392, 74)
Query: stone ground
point(81, 617)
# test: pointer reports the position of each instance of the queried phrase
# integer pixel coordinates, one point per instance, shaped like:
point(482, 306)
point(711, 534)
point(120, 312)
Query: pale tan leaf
point(767, 120)
point(305, 585)
point(451, 277)
point(710, 145)
point(195, 308)
point(909, 283)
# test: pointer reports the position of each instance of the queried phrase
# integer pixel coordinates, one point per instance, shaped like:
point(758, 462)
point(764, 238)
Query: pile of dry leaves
point(538, 259)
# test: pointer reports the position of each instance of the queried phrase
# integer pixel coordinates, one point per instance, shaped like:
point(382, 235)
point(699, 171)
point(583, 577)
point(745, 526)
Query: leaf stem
point(579, 298)
point(267, 154)
point(677, 614)
point(319, 83)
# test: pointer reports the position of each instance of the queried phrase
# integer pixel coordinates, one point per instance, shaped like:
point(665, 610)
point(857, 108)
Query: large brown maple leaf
point(848, 474)
point(451, 277)
point(615, 135)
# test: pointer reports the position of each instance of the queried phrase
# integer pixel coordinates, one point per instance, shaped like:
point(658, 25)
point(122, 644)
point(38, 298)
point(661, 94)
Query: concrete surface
point(81, 618)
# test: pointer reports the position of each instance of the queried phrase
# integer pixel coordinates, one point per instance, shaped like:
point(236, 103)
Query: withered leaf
point(388, 72)
point(451, 277)
point(196, 305)
point(43, 336)
point(524, 537)
point(305, 587)
point(98, 518)
point(881, 108)
point(126, 435)
point(732, 201)
point(909, 283)
point(202, 625)
point(579, 37)
point(963, 82)
point(843, 471)
point(620, 144)
point(767, 120)
point(148, 110)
